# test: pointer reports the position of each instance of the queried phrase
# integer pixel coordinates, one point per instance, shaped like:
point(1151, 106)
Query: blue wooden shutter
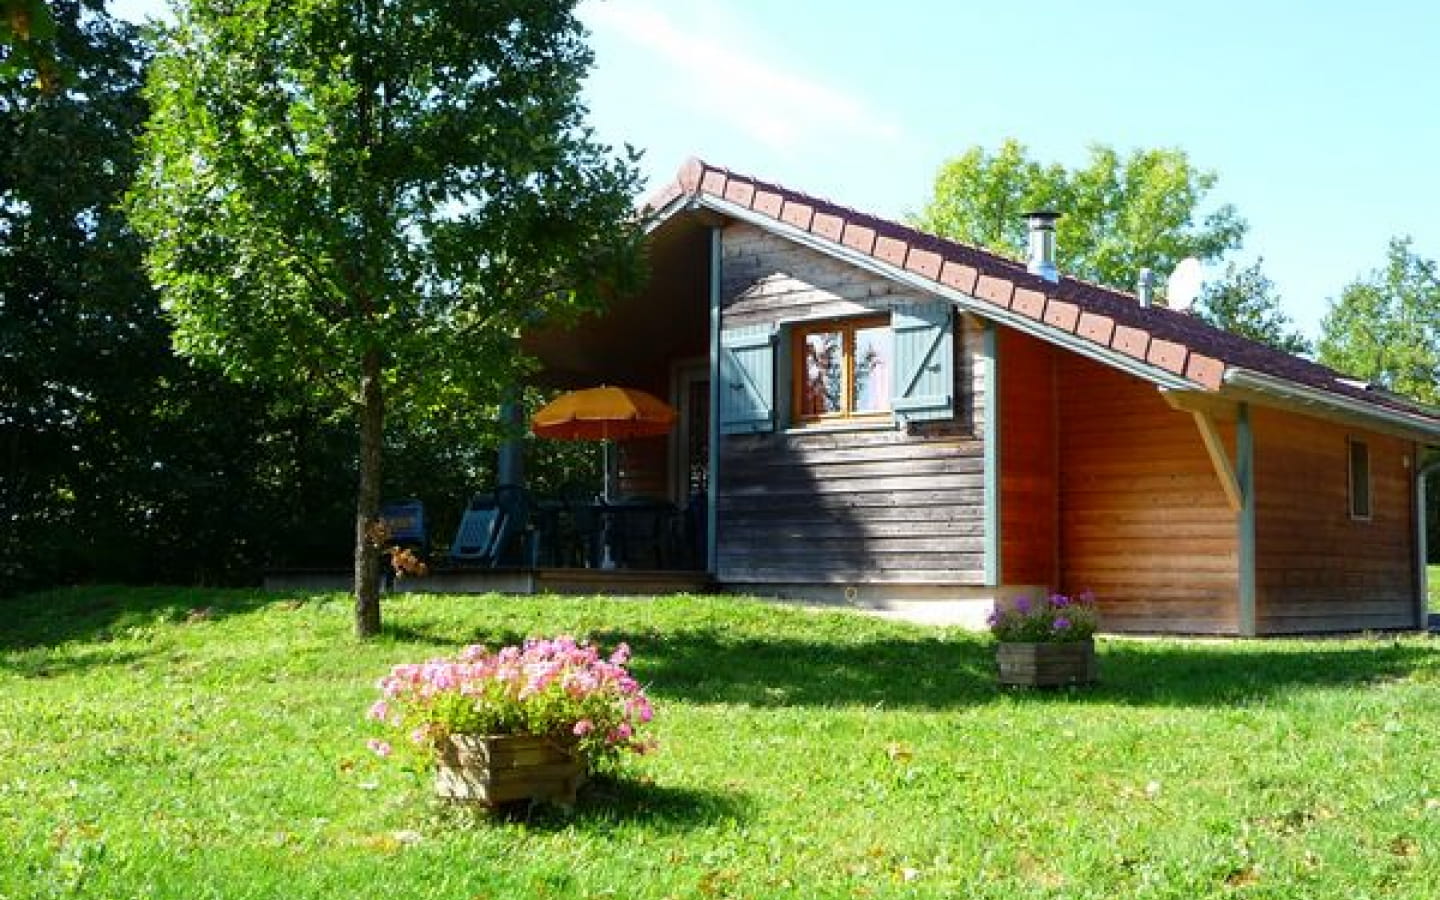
point(747, 380)
point(924, 361)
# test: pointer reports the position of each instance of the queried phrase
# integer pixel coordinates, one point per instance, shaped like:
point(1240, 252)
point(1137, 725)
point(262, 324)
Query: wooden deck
point(627, 582)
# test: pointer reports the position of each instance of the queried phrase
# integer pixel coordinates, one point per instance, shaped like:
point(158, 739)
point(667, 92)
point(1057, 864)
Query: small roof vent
point(1145, 287)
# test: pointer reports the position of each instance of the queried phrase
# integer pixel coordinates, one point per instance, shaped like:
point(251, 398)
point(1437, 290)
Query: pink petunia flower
point(379, 747)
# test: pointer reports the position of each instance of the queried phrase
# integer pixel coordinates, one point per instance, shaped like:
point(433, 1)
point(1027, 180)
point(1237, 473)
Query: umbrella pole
point(607, 459)
point(607, 494)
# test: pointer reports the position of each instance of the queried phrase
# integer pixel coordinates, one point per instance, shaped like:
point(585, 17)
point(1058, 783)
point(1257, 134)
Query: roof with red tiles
point(1164, 340)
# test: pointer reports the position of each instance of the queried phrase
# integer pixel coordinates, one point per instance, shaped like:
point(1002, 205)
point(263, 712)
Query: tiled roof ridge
point(1174, 342)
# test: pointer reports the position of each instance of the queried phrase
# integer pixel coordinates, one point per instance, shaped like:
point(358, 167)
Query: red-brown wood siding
point(1317, 569)
point(1144, 523)
point(1029, 513)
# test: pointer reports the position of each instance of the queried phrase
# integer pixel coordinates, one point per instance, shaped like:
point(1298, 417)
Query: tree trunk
point(367, 507)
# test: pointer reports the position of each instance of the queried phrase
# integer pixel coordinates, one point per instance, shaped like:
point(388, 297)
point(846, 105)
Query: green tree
point(1119, 214)
point(119, 460)
point(365, 200)
point(1244, 302)
point(27, 32)
point(1386, 328)
point(80, 333)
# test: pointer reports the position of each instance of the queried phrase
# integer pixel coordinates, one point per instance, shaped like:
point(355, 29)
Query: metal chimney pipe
point(1145, 287)
point(1040, 260)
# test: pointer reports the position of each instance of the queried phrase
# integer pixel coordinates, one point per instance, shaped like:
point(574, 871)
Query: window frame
point(1367, 493)
point(847, 326)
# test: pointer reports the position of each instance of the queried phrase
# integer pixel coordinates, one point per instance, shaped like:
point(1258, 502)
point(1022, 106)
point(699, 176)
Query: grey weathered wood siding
point(851, 505)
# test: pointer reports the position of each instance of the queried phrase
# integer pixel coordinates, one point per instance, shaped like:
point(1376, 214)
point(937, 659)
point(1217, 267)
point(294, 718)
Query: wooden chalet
point(873, 416)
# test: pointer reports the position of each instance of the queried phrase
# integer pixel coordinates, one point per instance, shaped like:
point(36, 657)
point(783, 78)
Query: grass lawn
point(209, 744)
point(1432, 581)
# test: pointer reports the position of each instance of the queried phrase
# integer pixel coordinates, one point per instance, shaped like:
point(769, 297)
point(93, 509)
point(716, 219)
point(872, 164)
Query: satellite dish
point(1183, 285)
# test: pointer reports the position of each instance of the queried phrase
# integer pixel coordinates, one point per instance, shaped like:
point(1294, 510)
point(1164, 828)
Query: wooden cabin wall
point(844, 506)
point(1029, 499)
point(1144, 523)
point(1316, 568)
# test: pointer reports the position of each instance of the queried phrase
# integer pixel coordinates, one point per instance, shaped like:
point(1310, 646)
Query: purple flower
point(1022, 605)
point(1059, 601)
point(1061, 623)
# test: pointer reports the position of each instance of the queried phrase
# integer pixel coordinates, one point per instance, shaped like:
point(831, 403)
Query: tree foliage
point(1244, 302)
point(1119, 213)
point(118, 460)
point(363, 202)
point(27, 34)
point(79, 333)
point(1386, 327)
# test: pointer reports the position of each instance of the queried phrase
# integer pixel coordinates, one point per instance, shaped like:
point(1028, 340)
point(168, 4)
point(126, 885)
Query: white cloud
point(782, 108)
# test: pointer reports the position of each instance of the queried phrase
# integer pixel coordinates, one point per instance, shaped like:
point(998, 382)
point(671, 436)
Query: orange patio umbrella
point(603, 414)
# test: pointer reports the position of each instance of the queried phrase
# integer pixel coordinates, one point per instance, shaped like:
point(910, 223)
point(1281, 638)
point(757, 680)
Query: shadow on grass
point(946, 672)
point(849, 666)
point(445, 639)
point(607, 802)
point(101, 614)
point(712, 667)
point(1225, 673)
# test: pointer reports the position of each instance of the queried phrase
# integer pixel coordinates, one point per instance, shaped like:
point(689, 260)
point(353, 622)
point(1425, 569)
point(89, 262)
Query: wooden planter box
point(493, 769)
point(1047, 665)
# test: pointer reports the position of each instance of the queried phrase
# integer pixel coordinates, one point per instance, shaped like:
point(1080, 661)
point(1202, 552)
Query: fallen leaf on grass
point(1404, 847)
point(380, 843)
point(1243, 877)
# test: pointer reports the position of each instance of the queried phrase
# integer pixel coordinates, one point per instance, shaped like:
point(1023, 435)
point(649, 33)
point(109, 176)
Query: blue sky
point(1320, 118)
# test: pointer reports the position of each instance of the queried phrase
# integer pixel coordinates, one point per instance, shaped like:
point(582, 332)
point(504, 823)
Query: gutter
point(1427, 427)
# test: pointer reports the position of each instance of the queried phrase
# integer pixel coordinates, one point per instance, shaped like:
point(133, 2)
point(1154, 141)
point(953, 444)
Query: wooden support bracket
point(1207, 410)
point(1220, 459)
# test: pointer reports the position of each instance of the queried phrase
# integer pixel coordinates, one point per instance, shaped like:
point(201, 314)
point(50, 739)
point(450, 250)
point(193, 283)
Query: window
point(1359, 480)
point(897, 368)
point(842, 369)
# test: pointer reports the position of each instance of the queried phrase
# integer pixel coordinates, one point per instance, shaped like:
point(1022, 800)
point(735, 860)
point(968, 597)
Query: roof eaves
point(1165, 347)
point(1411, 422)
point(1045, 309)
point(1022, 308)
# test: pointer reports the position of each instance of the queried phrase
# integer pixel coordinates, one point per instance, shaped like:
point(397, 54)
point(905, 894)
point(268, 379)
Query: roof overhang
point(1244, 384)
point(966, 302)
point(1190, 379)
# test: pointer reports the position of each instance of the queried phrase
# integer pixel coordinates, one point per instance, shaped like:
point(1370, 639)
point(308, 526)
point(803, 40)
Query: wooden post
point(712, 480)
point(991, 364)
point(1245, 479)
point(1422, 535)
point(510, 466)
